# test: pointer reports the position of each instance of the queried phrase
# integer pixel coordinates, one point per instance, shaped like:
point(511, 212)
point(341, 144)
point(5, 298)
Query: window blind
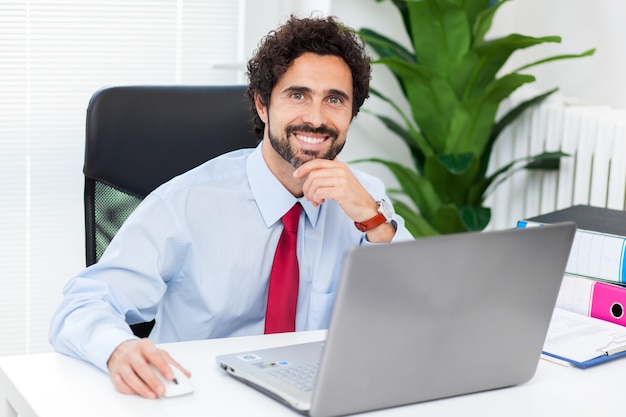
point(53, 56)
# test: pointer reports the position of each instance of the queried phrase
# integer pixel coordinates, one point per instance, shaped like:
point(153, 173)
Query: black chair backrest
point(139, 137)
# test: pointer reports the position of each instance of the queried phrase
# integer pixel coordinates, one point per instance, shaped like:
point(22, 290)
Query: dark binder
point(597, 219)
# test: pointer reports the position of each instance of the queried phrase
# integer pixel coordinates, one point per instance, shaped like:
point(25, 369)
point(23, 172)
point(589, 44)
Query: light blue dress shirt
point(196, 255)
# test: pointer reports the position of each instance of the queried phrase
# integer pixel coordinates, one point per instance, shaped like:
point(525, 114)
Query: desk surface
point(50, 384)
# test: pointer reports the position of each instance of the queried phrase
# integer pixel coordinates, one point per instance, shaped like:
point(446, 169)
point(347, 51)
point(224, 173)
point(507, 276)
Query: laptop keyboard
point(301, 376)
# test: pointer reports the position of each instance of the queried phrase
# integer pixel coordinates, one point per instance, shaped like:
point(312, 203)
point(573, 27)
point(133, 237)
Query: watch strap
point(370, 224)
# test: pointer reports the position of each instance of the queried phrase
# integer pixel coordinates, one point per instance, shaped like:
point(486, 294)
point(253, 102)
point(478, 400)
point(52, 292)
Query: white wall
point(263, 16)
point(582, 24)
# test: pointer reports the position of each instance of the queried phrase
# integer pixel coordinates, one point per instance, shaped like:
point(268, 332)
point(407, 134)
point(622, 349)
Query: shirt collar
point(272, 198)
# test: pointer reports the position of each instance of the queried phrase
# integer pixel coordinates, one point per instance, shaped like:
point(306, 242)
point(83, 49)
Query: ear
point(261, 109)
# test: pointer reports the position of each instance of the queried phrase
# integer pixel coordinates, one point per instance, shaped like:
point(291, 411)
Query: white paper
point(581, 338)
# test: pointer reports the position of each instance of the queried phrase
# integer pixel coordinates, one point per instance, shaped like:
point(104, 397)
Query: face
point(310, 109)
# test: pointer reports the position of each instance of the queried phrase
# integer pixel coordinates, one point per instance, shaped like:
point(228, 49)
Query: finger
point(159, 359)
point(313, 165)
point(121, 385)
point(147, 374)
point(128, 381)
point(332, 176)
point(163, 362)
point(322, 189)
point(335, 185)
point(179, 366)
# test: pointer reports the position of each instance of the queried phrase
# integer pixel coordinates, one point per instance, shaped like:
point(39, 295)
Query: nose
point(315, 114)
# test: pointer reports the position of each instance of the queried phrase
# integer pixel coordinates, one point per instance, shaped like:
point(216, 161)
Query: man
point(197, 253)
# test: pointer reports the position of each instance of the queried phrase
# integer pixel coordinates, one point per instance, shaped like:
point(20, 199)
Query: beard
point(297, 157)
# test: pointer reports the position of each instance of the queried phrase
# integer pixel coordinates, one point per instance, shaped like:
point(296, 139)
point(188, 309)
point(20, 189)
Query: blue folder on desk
point(590, 362)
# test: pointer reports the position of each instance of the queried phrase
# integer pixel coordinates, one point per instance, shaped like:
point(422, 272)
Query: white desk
point(50, 384)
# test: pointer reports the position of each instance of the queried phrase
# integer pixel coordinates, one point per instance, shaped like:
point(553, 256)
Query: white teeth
point(310, 140)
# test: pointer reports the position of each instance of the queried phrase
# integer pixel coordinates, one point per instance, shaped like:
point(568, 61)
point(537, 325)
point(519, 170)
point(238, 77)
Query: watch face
point(385, 208)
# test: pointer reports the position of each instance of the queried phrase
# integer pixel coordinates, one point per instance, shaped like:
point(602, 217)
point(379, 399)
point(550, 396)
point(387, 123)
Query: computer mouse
point(180, 385)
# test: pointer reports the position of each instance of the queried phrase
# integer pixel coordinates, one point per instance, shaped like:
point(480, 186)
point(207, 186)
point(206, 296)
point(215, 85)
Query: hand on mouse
point(131, 371)
point(179, 385)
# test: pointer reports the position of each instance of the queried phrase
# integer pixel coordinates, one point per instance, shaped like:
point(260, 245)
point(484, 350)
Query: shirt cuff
point(103, 346)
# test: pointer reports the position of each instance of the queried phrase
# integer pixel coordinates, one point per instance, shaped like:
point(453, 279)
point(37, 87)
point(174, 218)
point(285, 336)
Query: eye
point(297, 96)
point(335, 100)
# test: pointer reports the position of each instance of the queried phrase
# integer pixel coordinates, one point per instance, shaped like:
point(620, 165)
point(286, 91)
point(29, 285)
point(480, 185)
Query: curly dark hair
point(322, 36)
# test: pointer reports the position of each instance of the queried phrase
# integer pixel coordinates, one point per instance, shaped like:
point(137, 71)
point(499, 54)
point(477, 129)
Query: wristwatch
point(384, 215)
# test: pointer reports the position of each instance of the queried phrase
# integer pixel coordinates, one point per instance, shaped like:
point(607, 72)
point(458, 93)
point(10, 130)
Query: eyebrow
point(302, 89)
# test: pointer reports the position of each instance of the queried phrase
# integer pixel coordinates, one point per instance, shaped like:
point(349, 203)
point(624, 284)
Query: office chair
point(139, 137)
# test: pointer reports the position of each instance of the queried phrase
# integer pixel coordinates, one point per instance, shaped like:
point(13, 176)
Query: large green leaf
point(416, 187)
point(475, 217)
point(404, 13)
point(549, 160)
point(491, 57)
point(456, 164)
point(460, 124)
point(483, 20)
point(472, 123)
point(447, 219)
point(414, 222)
point(432, 100)
point(457, 219)
point(384, 46)
point(417, 138)
point(451, 175)
point(517, 111)
point(588, 52)
point(441, 33)
point(504, 121)
point(416, 153)
point(483, 111)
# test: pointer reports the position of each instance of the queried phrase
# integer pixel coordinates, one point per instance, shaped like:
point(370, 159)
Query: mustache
point(322, 130)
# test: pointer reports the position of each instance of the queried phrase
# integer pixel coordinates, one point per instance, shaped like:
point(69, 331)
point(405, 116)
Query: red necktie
point(282, 297)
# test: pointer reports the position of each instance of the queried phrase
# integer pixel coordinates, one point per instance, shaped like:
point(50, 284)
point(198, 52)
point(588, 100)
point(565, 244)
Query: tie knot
point(290, 219)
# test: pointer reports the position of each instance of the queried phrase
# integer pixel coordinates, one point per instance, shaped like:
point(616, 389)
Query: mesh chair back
point(108, 209)
point(139, 137)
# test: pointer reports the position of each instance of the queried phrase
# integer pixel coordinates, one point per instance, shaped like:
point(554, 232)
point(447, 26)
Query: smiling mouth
point(311, 136)
point(309, 139)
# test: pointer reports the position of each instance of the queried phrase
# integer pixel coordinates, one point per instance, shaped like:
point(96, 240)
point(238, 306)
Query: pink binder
point(590, 297)
point(608, 302)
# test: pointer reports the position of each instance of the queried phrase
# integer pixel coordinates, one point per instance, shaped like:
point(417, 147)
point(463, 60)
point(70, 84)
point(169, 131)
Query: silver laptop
point(422, 320)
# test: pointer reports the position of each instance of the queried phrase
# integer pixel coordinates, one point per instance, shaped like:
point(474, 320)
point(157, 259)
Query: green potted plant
point(452, 84)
